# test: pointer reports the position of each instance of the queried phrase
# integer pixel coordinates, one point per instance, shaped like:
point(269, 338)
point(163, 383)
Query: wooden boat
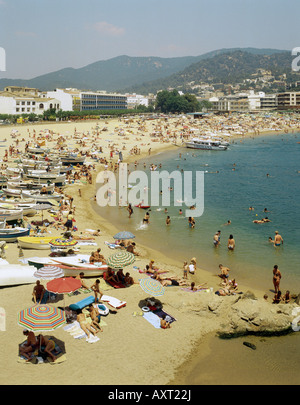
point(22, 185)
point(71, 265)
point(72, 159)
point(11, 214)
point(38, 197)
point(35, 242)
point(12, 234)
point(15, 274)
point(28, 209)
point(44, 177)
point(88, 270)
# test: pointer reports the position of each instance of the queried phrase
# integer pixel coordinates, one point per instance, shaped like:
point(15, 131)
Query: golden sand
point(130, 350)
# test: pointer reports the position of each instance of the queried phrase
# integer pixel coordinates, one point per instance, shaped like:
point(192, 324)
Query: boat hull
point(34, 242)
point(7, 236)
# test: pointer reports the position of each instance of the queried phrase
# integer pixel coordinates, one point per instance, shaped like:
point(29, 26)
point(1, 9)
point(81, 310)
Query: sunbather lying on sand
point(85, 326)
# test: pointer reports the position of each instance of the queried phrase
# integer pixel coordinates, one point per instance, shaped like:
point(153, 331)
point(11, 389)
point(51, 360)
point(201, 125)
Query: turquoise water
point(228, 195)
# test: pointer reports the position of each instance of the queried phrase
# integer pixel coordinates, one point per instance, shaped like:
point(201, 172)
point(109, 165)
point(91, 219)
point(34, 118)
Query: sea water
point(261, 172)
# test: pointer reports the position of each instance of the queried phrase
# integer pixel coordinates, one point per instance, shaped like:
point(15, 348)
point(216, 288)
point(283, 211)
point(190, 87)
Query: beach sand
point(130, 350)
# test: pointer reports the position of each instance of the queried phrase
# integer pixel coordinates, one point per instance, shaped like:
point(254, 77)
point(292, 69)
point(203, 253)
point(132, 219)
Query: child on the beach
point(185, 270)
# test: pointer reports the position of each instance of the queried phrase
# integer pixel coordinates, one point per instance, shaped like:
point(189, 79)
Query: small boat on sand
point(12, 234)
point(35, 242)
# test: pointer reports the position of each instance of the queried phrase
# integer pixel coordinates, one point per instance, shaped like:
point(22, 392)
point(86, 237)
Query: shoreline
point(173, 341)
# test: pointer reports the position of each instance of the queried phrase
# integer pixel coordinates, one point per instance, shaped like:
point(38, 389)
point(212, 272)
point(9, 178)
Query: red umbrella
point(63, 285)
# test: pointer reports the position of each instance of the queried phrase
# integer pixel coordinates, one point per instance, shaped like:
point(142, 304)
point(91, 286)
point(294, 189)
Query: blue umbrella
point(124, 235)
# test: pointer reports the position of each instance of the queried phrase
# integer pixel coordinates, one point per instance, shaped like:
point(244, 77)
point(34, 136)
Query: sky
point(42, 36)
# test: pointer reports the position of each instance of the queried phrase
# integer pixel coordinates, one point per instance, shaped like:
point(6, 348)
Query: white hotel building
point(21, 100)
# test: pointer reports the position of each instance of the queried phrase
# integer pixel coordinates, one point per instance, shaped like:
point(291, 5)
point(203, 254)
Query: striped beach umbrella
point(124, 235)
point(63, 242)
point(41, 318)
point(120, 260)
point(48, 272)
point(152, 287)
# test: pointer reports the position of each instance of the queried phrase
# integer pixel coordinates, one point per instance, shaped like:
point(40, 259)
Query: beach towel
point(113, 302)
point(76, 332)
point(114, 283)
point(105, 286)
point(39, 357)
point(160, 313)
point(152, 318)
point(2, 320)
point(112, 245)
point(193, 291)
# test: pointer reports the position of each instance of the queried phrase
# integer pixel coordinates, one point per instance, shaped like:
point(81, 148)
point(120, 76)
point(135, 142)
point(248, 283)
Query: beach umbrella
point(59, 242)
point(63, 285)
point(42, 207)
point(49, 272)
point(41, 318)
point(124, 235)
point(152, 287)
point(120, 260)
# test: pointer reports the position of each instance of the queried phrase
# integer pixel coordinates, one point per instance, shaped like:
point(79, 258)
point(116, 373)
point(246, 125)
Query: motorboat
point(205, 144)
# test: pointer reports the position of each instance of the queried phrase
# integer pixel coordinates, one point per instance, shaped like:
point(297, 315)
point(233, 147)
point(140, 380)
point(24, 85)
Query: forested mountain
point(126, 72)
point(231, 67)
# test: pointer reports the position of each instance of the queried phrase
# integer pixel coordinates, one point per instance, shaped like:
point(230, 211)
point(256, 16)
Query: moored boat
point(205, 144)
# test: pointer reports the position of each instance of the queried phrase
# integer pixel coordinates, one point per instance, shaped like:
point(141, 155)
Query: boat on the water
point(205, 144)
point(12, 234)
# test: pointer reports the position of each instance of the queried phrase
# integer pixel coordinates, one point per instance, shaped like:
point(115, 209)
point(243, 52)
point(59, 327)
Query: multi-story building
point(102, 101)
point(288, 100)
point(134, 100)
point(19, 100)
point(244, 102)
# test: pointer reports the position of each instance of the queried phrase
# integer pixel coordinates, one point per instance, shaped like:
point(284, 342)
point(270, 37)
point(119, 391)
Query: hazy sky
point(41, 36)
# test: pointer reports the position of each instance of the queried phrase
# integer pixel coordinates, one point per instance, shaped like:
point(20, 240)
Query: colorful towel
point(114, 283)
point(160, 313)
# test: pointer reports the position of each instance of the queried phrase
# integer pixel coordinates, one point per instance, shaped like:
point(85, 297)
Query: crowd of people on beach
point(63, 217)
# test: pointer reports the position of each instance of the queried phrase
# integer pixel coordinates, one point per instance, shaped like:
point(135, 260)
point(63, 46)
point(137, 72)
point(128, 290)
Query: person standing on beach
point(185, 270)
point(278, 239)
point(276, 278)
point(130, 210)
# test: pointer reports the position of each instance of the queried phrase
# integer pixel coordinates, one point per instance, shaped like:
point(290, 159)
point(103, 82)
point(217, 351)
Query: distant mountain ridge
point(225, 68)
point(124, 72)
